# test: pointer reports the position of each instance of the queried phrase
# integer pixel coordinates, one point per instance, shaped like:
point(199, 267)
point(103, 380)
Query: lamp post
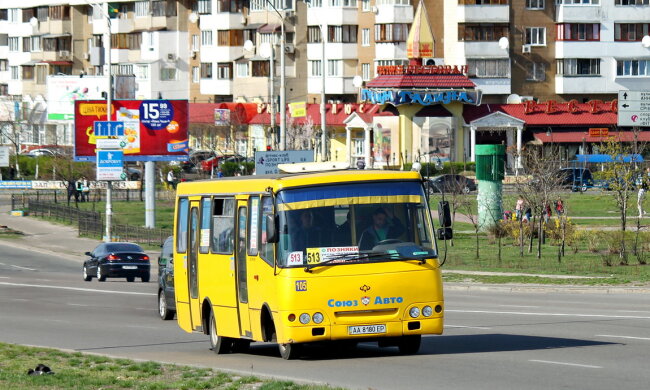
point(283, 90)
point(323, 124)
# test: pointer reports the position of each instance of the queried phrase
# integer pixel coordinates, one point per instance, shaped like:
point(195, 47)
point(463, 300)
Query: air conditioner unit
point(433, 61)
point(171, 57)
point(525, 49)
point(86, 56)
point(289, 48)
point(64, 54)
point(375, 9)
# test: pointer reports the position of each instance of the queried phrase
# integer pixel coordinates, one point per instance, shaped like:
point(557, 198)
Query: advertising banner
point(154, 130)
point(221, 117)
point(4, 156)
point(63, 91)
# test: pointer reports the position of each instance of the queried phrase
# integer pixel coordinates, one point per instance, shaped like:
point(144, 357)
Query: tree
point(302, 136)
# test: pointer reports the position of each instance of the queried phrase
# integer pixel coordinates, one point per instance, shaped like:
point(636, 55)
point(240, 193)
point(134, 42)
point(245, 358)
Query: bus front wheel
point(409, 345)
point(289, 351)
point(218, 344)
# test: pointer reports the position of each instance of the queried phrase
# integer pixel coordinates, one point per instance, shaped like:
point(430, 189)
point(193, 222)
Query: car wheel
point(87, 277)
point(289, 351)
point(130, 279)
point(466, 190)
point(145, 279)
point(409, 345)
point(583, 188)
point(165, 314)
point(218, 344)
point(100, 277)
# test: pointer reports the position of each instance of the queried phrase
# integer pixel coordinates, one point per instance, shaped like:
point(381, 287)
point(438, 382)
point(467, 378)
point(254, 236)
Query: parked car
point(578, 179)
point(213, 162)
point(133, 173)
point(117, 260)
point(41, 152)
point(195, 159)
point(457, 184)
point(166, 298)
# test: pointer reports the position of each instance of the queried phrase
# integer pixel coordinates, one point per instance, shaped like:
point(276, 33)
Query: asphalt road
point(492, 340)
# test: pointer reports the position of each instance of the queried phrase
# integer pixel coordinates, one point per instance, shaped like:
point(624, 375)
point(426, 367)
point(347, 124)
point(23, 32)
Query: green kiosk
point(490, 168)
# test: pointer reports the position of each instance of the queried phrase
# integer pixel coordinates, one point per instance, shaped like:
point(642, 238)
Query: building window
point(313, 34)
point(577, 2)
point(365, 72)
point(4, 65)
point(535, 71)
point(365, 5)
point(14, 44)
point(127, 41)
point(224, 71)
point(630, 31)
point(639, 68)
point(204, 7)
point(28, 72)
point(141, 8)
point(334, 68)
point(142, 72)
point(15, 72)
point(167, 74)
point(578, 32)
point(35, 43)
point(196, 74)
point(632, 2)
point(482, 32)
point(342, 34)
point(578, 67)
point(195, 42)
point(488, 68)
point(343, 3)
point(59, 12)
point(230, 37)
point(41, 74)
point(534, 4)
point(315, 3)
point(242, 69)
point(206, 70)
point(393, 32)
point(4, 91)
point(260, 68)
point(232, 6)
point(26, 45)
point(206, 38)
point(315, 68)
point(13, 15)
point(536, 36)
point(365, 37)
point(483, 2)
point(122, 69)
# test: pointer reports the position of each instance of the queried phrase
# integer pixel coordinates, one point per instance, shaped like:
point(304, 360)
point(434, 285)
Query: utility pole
point(109, 106)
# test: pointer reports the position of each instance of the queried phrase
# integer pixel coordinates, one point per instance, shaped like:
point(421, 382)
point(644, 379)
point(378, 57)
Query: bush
point(447, 167)
point(232, 168)
point(553, 230)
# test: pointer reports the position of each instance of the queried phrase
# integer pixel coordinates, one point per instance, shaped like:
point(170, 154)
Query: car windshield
point(122, 247)
point(352, 223)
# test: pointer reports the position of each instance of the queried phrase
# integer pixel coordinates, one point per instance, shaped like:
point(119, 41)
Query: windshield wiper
point(344, 258)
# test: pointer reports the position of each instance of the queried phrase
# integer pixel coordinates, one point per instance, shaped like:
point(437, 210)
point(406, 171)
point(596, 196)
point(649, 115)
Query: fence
point(91, 224)
point(19, 201)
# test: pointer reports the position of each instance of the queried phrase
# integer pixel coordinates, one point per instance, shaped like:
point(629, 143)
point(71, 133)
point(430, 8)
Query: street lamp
point(283, 90)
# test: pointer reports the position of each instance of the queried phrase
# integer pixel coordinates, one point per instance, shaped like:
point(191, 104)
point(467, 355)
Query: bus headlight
point(427, 311)
point(305, 318)
point(414, 312)
point(318, 318)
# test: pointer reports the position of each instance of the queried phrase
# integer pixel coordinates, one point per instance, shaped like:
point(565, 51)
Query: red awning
point(583, 136)
point(421, 81)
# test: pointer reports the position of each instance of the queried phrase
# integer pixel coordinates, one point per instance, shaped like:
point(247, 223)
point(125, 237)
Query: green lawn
point(133, 212)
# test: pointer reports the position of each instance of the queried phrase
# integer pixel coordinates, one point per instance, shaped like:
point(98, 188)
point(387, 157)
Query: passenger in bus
point(384, 227)
point(308, 234)
point(344, 231)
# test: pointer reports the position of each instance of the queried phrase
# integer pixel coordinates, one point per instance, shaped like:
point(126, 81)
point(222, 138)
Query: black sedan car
point(457, 184)
point(117, 260)
point(166, 298)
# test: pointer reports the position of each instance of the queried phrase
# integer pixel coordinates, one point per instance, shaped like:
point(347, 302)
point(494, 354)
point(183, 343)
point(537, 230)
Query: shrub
point(553, 230)
point(447, 167)
point(232, 168)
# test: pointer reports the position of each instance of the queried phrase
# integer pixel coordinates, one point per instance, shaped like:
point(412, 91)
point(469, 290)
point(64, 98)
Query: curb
point(541, 288)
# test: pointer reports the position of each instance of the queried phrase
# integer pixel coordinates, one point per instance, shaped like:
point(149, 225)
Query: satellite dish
point(504, 43)
point(266, 50)
point(194, 17)
point(357, 81)
point(248, 45)
point(33, 21)
point(513, 99)
point(646, 41)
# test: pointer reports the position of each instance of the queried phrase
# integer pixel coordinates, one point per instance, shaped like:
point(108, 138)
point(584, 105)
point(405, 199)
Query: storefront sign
point(599, 132)
point(421, 69)
point(428, 98)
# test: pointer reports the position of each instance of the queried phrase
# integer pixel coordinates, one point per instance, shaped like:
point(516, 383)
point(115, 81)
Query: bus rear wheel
point(409, 345)
point(289, 351)
point(218, 344)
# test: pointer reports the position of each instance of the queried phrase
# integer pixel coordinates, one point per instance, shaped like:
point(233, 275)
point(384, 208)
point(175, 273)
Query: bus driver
point(384, 226)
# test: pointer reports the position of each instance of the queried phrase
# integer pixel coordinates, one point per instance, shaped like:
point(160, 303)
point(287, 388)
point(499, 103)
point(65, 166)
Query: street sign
point(4, 156)
point(634, 108)
point(266, 163)
point(109, 165)
point(108, 128)
point(602, 132)
point(110, 143)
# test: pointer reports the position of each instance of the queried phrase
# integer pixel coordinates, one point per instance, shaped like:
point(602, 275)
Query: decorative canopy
point(420, 40)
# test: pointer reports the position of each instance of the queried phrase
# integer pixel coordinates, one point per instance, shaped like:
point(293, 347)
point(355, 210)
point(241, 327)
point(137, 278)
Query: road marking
point(522, 306)
point(623, 337)
point(77, 304)
point(549, 314)
point(4, 277)
point(633, 311)
point(76, 289)
point(467, 327)
point(564, 364)
point(19, 267)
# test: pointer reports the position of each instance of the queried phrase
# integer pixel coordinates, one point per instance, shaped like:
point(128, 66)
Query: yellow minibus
point(307, 257)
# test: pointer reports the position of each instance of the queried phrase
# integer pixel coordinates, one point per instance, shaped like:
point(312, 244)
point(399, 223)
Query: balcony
point(15, 87)
point(629, 14)
point(592, 49)
point(332, 15)
point(578, 13)
point(482, 49)
point(581, 85)
point(55, 27)
point(394, 14)
point(493, 86)
point(334, 85)
point(390, 51)
point(216, 87)
point(483, 13)
point(224, 20)
point(220, 53)
point(333, 51)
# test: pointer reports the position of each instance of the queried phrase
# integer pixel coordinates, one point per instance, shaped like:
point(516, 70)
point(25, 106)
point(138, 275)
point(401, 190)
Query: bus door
point(240, 266)
point(193, 267)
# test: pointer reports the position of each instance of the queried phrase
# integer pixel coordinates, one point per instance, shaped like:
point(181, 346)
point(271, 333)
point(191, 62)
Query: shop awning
point(606, 158)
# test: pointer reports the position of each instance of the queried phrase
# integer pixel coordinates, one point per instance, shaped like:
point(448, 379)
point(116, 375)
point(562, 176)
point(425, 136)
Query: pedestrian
point(559, 207)
point(78, 188)
point(219, 173)
point(640, 197)
point(519, 208)
point(85, 190)
point(547, 213)
point(171, 179)
point(528, 215)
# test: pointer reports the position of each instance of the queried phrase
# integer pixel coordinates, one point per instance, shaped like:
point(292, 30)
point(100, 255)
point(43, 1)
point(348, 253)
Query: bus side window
point(181, 228)
point(266, 249)
point(204, 236)
point(223, 225)
point(253, 225)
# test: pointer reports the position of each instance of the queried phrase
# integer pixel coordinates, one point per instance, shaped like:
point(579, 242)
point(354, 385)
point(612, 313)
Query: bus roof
point(260, 183)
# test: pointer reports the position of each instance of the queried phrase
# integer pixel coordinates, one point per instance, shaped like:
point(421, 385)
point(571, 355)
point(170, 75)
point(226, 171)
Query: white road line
point(4, 277)
point(467, 327)
point(141, 327)
point(623, 337)
point(75, 289)
point(565, 364)
point(633, 311)
point(521, 313)
point(19, 267)
point(77, 304)
point(522, 306)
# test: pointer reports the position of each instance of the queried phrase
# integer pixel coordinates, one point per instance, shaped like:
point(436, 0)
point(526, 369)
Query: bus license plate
point(129, 267)
point(367, 329)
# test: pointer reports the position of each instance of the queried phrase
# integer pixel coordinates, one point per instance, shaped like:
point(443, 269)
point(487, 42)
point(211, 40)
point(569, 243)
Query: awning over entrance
point(421, 81)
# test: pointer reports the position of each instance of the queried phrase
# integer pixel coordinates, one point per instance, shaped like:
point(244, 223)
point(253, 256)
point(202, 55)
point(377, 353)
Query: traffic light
point(268, 148)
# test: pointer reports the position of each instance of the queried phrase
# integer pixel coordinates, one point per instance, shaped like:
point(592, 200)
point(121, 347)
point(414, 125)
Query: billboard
point(62, 91)
point(154, 130)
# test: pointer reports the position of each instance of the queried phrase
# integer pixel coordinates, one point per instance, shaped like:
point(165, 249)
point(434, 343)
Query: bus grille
point(366, 313)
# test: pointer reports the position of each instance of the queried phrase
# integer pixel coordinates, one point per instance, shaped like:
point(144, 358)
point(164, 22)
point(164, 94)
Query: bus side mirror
point(271, 231)
point(444, 217)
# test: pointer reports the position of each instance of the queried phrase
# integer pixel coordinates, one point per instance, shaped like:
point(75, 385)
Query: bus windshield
point(353, 223)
